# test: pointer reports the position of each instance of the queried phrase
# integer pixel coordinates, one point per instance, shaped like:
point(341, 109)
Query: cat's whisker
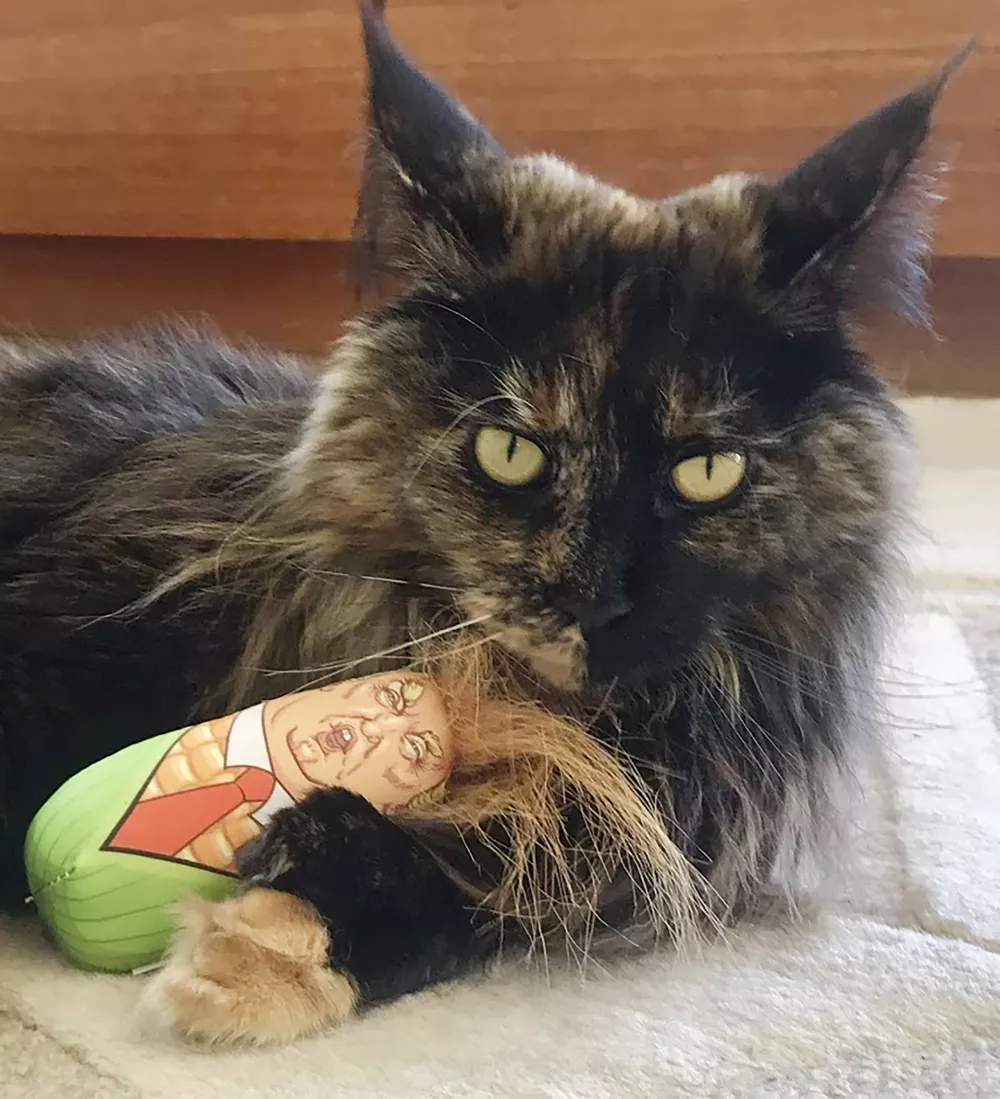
point(603, 706)
point(504, 386)
point(439, 439)
point(583, 362)
point(879, 696)
point(334, 573)
point(705, 682)
point(909, 687)
point(486, 639)
point(136, 608)
point(461, 316)
point(339, 667)
point(754, 498)
point(763, 639)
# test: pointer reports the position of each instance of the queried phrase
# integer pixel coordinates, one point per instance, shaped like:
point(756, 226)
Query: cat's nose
point(593, 613)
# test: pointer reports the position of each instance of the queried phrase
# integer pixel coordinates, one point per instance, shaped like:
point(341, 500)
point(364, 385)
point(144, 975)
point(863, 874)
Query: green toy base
point(108, 910)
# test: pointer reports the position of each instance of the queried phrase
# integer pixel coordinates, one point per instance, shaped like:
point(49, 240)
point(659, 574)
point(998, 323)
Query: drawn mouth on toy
point(331, 741)
point(316, 748)
point(338, 740)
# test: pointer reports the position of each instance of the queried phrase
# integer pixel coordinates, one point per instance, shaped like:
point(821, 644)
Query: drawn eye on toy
point(398, 696)
point(422, 751)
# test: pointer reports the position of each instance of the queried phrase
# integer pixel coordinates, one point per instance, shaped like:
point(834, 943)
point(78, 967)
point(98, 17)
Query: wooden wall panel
point(239, 118)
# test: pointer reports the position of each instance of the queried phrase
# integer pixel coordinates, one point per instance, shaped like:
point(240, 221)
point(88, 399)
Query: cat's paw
point(251, 969)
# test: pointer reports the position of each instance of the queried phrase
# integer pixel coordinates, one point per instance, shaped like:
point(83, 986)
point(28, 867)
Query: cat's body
point(185, 527)
point(83, 431)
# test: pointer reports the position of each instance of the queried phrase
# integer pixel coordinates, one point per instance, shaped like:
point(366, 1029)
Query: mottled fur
point(654, 700)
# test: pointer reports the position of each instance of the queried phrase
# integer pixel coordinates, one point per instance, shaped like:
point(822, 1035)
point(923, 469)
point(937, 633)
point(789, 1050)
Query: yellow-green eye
point(509, 459)
point(708, 478)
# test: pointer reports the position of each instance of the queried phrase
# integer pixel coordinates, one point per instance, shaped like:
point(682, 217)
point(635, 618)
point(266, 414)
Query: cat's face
point(616, 450)
point(622, 427)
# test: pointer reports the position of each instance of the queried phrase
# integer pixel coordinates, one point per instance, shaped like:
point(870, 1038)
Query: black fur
point(396, 922)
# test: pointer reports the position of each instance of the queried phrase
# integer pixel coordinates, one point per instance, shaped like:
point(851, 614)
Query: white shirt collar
point(247, 747)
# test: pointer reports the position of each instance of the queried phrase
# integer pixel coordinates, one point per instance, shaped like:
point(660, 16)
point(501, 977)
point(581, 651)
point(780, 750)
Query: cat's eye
point(708, 478)
point(508, 459)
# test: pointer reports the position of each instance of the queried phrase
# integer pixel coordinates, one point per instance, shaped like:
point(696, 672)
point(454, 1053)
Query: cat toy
point(113, 850)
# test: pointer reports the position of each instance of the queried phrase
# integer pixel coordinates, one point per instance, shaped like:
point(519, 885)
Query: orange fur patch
point(249, 970)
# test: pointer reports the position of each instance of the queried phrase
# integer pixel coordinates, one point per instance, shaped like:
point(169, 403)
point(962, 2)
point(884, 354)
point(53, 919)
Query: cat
point(621, 457)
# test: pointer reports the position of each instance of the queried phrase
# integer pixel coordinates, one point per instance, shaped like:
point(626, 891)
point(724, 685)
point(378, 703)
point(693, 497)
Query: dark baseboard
point(960, 355)
point(296, 295)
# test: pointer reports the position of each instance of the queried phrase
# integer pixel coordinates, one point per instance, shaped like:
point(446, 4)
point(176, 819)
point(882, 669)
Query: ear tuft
point(851, 222)
point(406, 108)
point(425, 153)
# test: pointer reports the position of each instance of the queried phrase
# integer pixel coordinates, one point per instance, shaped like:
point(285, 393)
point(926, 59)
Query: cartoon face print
point(384, 737)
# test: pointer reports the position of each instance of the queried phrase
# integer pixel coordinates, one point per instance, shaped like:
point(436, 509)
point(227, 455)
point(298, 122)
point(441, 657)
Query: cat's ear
point(850, 224)
point(425, 199)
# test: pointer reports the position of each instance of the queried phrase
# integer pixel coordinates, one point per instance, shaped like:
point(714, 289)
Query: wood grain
point(296, 295)
point(239, 118)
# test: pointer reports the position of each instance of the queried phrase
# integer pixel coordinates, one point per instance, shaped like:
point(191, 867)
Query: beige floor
point(960, 494)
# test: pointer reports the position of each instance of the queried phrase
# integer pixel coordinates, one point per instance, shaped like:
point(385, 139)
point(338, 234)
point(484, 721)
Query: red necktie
point(167, 824)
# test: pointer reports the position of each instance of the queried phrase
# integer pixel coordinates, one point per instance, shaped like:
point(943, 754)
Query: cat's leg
point(252, 969)
point(342, 909)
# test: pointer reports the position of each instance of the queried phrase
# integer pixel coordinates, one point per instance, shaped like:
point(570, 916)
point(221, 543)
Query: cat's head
point(619, 425)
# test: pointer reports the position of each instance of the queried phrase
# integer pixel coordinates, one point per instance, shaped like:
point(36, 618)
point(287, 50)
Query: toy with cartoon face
point(379, 737)
point(384, 737)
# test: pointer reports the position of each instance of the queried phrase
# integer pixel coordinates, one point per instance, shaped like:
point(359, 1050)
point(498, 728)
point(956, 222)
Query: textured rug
point(893, 991)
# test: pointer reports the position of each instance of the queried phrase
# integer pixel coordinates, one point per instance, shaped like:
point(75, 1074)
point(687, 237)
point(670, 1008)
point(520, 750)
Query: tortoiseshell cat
point(630, 444)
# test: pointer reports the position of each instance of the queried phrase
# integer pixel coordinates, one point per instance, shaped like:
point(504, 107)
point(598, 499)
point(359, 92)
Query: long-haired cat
point(613, 468)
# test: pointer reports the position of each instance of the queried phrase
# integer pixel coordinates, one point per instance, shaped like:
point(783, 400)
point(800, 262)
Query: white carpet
point(895, 993)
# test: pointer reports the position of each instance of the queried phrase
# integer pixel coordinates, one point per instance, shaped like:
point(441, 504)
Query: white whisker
point(376, 579)
point(432, 449)
point(461, 316)
point(338, 667)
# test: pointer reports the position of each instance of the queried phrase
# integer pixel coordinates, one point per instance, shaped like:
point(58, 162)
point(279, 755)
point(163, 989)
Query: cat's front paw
point(251, 969)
